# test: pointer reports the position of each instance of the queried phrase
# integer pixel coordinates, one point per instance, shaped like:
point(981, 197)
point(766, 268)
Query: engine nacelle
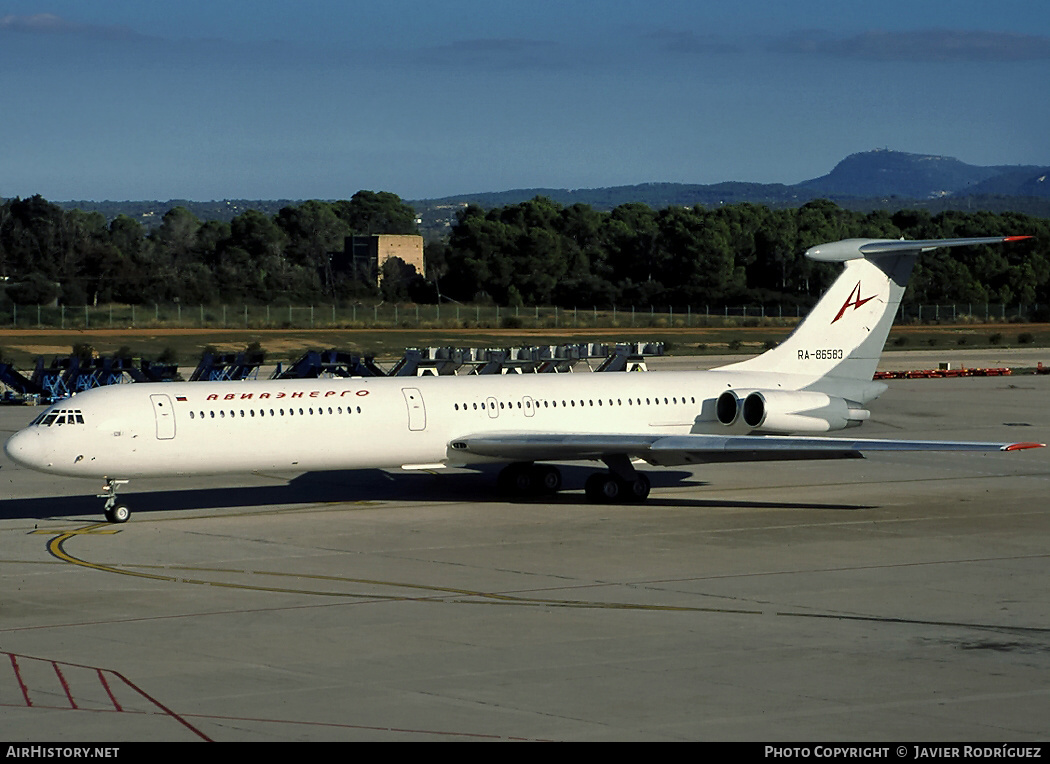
point(728, 406)
point(788, 411)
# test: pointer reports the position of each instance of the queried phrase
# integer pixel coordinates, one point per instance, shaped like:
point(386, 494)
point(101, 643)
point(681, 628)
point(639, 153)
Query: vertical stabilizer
point(843, 336)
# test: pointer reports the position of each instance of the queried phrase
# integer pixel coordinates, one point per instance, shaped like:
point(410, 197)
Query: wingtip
point(1016, 238)
point(1023, 446)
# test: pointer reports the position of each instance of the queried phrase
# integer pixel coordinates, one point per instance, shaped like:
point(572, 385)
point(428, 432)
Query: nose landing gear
point(114, 511)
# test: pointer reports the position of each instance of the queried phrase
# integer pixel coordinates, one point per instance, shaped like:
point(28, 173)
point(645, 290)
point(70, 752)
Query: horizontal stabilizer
point(853, 249)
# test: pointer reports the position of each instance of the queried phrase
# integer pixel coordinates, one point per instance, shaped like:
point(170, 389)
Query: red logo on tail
point(854, 300)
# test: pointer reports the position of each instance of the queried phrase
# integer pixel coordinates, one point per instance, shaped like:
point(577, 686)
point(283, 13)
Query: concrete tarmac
point(903, 597)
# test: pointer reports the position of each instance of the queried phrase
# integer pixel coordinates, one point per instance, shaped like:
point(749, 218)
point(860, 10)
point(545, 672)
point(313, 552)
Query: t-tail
point(842, 338)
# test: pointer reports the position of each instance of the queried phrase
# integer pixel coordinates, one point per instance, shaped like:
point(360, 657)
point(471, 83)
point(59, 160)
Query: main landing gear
point(607, 488)
point(622, 484)
point(114, 511)
point(528, 479)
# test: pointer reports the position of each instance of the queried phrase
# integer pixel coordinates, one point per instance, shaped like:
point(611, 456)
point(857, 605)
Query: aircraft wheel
point(637, 489)
point(118, 514)
point(516, 479)
point(592, 489)
point(547, 479)
point(603, 488)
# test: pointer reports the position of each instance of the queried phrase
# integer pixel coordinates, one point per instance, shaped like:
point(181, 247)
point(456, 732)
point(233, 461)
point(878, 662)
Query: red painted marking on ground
point(109, 692)
point(106, 683)
point(18, 678)
point(65, 685)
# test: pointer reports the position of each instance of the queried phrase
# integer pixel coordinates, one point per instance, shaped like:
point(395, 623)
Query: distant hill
point(917, 176)
point(1020, 182)
point(656, 195)
point(880, 179)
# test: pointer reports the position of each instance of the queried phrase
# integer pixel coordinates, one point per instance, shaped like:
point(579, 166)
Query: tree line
point(79, 258)
point(536, 252)
point(539, 253)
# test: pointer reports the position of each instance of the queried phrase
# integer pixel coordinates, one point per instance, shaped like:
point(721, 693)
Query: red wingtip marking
point(1022, 446)
point(1016, 238)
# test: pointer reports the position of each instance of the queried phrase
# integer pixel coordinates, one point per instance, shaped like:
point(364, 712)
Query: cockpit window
point(60, 417)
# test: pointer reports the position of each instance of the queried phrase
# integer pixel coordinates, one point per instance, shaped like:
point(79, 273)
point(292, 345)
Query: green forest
point(534, 253)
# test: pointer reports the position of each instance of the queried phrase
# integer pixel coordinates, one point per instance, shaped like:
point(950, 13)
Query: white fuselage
point(202, 428)
point(817, 380)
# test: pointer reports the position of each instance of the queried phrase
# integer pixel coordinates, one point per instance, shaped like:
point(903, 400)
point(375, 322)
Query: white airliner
point(771, 407)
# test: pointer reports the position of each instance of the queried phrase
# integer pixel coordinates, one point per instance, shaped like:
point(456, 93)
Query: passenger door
point(164, 415)
point(417, 412)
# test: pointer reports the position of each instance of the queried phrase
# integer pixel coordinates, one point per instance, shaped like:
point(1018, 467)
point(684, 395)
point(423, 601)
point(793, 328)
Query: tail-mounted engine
point(787, 411)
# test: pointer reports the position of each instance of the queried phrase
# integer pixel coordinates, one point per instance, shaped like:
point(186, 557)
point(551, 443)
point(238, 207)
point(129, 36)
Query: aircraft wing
point(670, 450)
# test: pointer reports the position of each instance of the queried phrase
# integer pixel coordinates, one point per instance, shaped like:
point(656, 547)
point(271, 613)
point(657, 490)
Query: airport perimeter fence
point(415, 316)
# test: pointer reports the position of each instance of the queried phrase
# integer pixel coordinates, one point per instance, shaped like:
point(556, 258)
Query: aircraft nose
point(26, 447)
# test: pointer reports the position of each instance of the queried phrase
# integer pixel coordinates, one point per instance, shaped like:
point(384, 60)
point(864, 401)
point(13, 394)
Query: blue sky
point(114, 99)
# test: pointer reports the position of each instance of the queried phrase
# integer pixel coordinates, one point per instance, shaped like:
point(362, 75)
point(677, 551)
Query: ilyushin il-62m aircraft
point(775, 406)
